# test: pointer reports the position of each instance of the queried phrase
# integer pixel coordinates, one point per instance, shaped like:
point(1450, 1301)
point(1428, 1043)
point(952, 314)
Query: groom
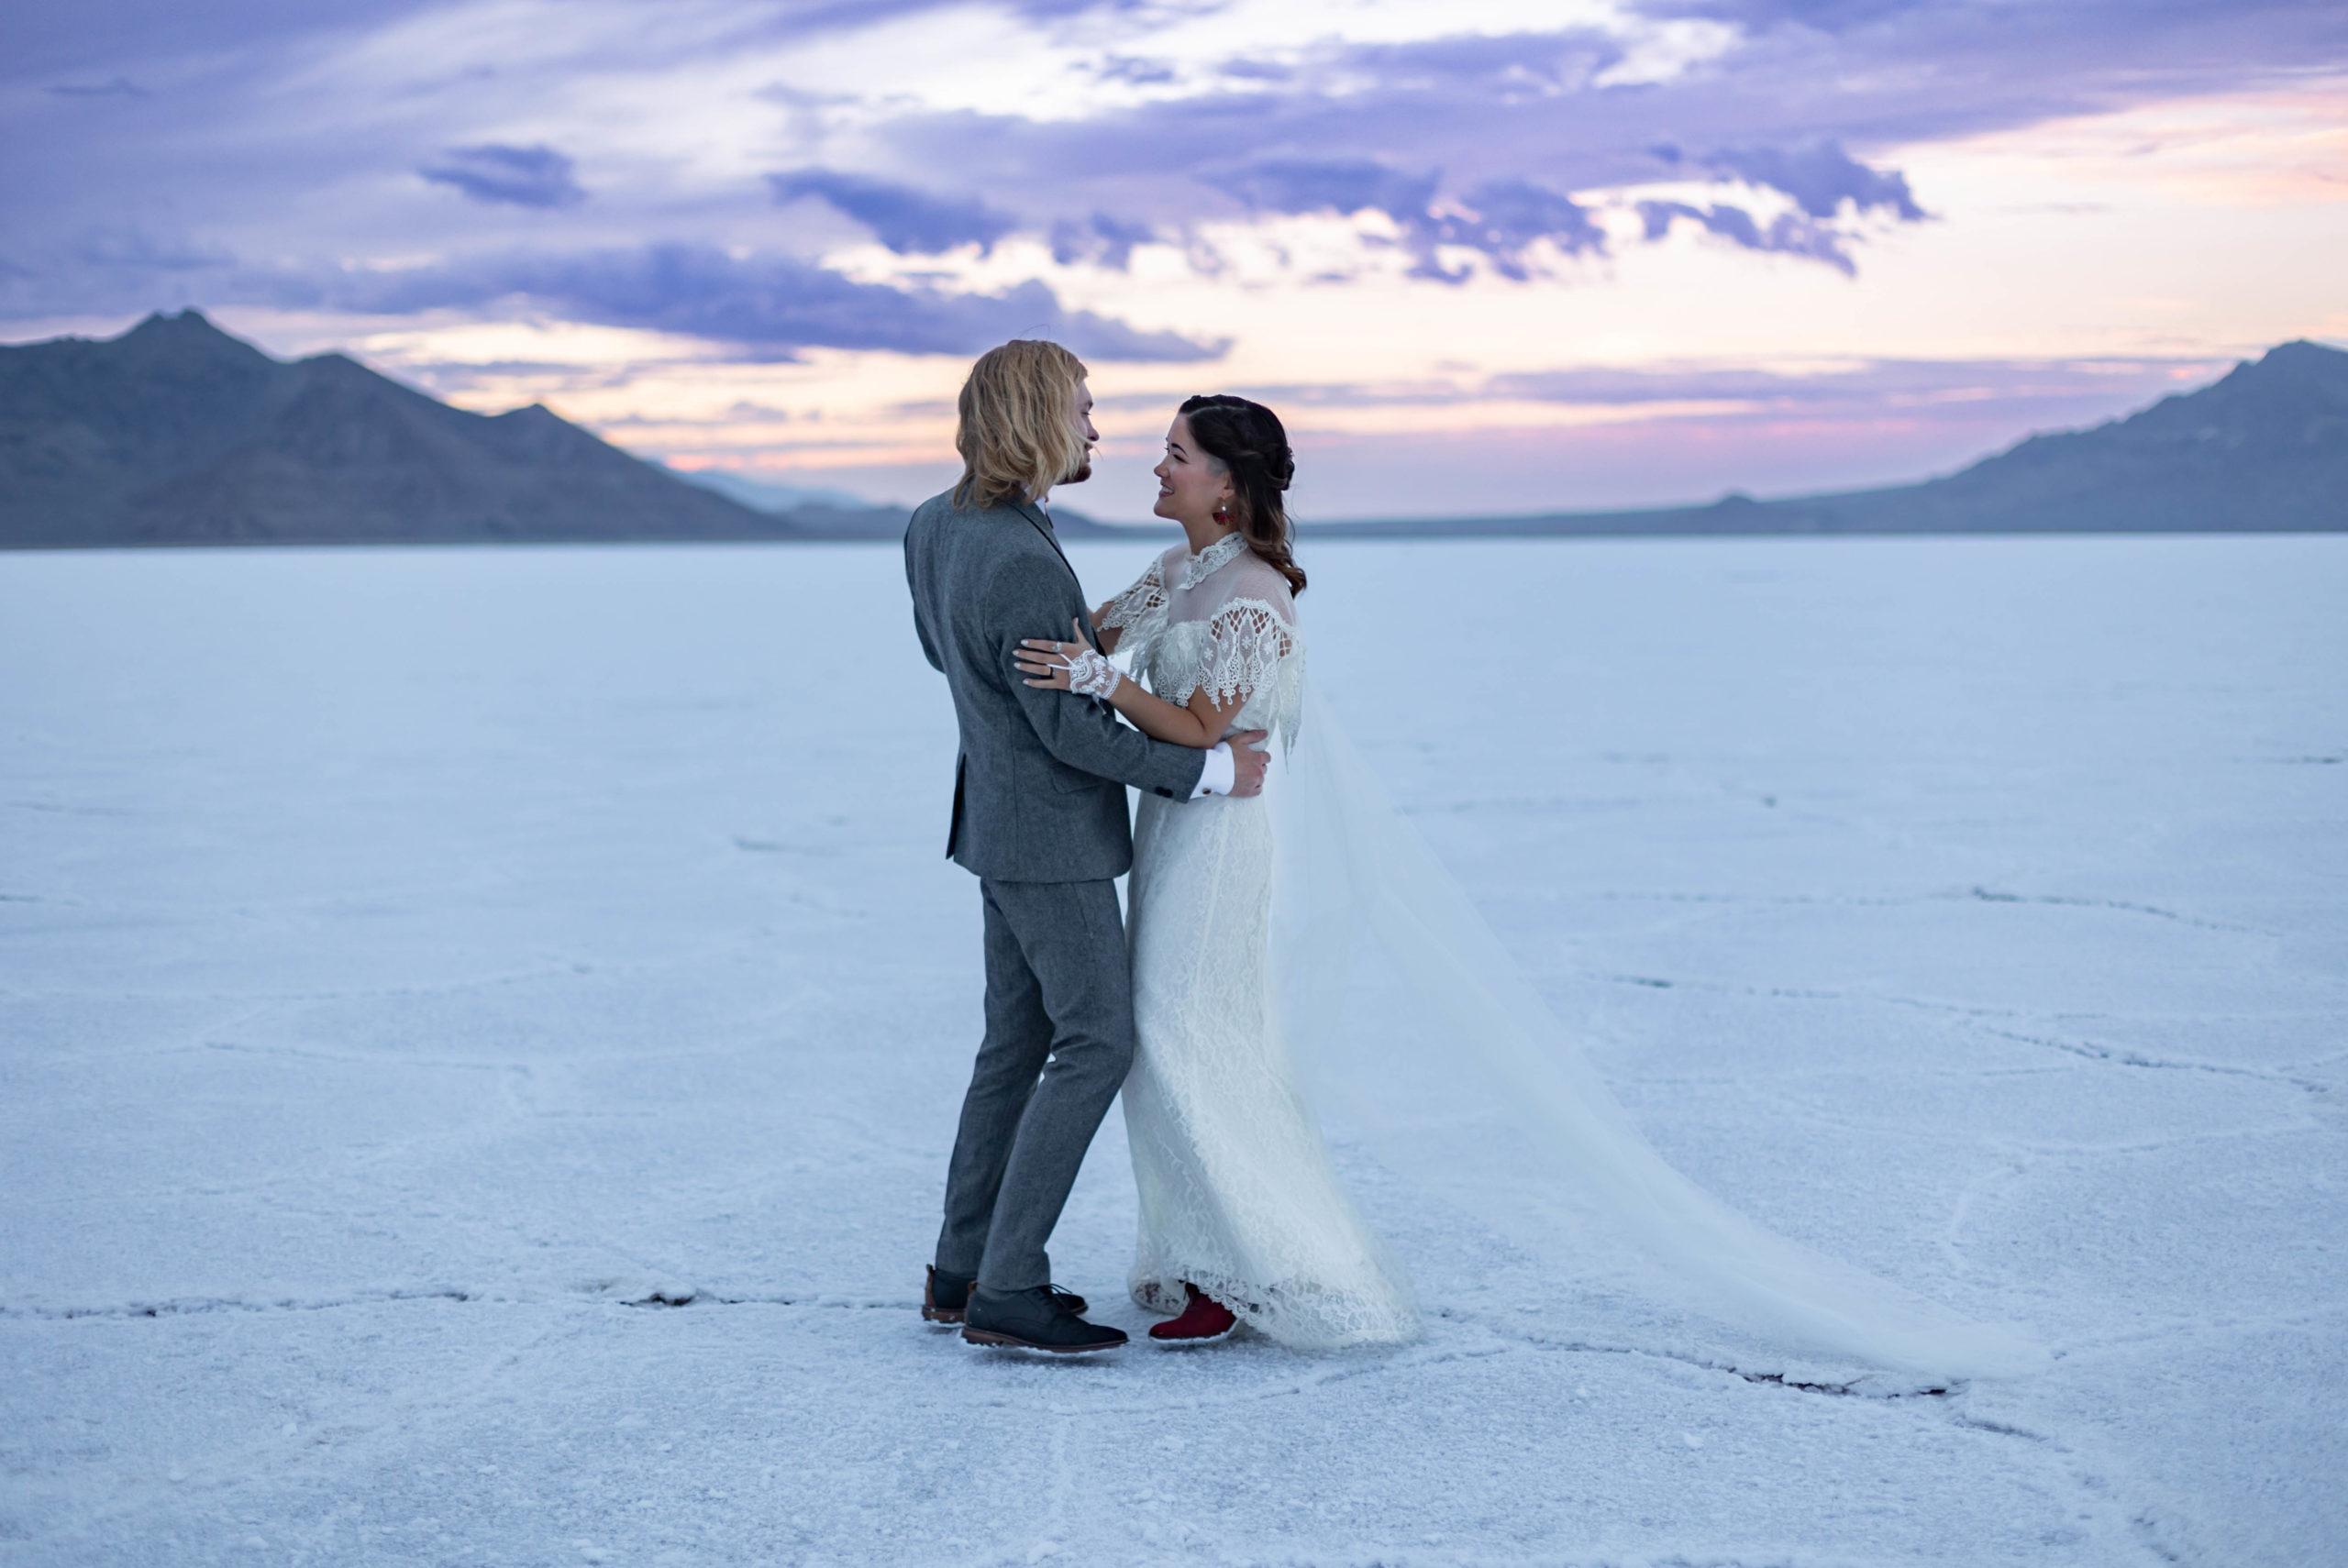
point(1040, 817)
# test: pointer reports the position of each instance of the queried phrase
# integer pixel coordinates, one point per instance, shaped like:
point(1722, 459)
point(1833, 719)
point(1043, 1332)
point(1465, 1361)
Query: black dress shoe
point(1033, 1319)
point(945, 1294)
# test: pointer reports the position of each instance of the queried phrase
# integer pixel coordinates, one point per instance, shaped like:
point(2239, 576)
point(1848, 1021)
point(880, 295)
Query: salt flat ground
point(418, 967)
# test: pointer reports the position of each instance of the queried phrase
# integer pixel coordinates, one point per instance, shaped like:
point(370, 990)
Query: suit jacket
point(1039, 789)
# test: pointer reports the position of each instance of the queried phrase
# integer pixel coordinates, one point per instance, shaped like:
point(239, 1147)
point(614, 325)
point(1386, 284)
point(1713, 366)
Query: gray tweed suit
point(1040, 816)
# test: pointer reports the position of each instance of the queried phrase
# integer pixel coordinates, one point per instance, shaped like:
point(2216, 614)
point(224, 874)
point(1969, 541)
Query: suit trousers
point(1059, 1037)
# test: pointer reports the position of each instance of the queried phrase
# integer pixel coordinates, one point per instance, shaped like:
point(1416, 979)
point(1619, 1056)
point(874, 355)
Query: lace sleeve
point(1246, 643)
point(1140, 607)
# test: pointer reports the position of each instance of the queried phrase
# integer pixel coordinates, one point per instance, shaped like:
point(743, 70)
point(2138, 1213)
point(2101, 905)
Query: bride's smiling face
point(1191, 484)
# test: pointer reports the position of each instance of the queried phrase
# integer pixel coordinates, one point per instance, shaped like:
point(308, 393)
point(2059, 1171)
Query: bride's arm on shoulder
point(1106, 636)
point(1201, 723)
point(1131, 607)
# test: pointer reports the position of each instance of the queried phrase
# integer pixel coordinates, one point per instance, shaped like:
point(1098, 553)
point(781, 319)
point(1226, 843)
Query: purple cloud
point(1819, 179)
point(1102, 239)
point(758, 306)
point(907, 221)
point(1340, 185)
point(519, 176)
point(1506, 217)
point(762, 305)
point(1501, 218)
point(1345, 186)
point(1790, 233)
point(1140, 71)
point(1494, 65)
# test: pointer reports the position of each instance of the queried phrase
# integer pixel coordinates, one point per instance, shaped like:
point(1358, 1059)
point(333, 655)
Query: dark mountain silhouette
point(178, 433)
point(2263, 449)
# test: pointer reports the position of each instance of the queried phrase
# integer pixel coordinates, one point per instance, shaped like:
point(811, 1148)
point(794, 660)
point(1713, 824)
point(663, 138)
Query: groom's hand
point(1248, 763)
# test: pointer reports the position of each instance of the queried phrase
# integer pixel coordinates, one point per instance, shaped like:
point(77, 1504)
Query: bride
point(1243, 1218)
point(1250, 922)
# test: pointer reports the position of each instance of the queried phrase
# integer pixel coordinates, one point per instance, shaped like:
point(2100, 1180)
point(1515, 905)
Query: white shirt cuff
point(1221, 772)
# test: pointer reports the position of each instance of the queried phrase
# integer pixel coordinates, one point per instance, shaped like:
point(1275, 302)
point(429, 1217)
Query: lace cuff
point(1090, 675)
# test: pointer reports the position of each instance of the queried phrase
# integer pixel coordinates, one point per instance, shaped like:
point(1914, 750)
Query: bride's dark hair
point(1248, 440)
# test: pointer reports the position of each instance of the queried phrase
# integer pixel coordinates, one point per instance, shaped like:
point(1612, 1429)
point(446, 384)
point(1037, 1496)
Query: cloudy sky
point(1484, 255)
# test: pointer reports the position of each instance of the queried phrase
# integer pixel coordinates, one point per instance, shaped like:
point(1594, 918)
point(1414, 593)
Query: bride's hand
point(1049, 660)
point(1058, 667)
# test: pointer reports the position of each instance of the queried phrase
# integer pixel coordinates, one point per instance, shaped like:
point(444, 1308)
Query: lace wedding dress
point(1238, 1196)
point(1310, 937)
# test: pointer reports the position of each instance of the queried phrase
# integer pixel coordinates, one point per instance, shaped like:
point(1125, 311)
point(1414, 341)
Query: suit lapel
point(1036, 518)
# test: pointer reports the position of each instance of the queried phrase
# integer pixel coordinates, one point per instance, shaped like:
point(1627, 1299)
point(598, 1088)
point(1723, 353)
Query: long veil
point(1412, 1021)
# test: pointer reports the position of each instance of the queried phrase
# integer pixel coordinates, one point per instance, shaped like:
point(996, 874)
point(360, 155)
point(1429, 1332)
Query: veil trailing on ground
point(1412, 1021)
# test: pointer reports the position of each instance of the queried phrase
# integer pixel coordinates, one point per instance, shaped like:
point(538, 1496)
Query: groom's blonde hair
point(1012, 428)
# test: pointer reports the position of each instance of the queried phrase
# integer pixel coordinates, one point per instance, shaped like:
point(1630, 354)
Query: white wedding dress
point(1237, 1193)
point(1309, 938)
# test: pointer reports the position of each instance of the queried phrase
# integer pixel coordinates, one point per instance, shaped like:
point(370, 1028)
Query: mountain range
point(2263, 449)
point(176, 432)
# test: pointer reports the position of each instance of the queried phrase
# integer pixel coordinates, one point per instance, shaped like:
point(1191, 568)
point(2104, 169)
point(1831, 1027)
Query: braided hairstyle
point(1247, 440)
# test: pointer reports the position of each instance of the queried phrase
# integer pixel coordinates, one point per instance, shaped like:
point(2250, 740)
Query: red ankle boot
point(1202, 1322)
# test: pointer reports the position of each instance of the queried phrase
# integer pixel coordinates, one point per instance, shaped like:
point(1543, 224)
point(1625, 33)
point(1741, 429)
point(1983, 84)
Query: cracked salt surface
point(480, 1032)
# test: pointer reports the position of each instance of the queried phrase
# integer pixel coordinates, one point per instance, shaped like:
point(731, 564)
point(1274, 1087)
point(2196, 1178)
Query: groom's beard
point(1084, 471)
